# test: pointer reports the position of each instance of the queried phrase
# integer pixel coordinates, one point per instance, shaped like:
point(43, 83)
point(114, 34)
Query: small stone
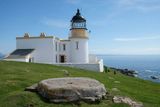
point(117, 99)
point(111, 78)
point(32, 88)
point(137, 104)
point(127, 100)
point(115, 89)
point(117, 82)
point(66, 73)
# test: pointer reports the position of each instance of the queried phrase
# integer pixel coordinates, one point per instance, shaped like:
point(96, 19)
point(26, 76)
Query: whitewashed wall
point(44, 48)
point(79, 55)
point(93, 58)
point(65, 52)
point(101, 65)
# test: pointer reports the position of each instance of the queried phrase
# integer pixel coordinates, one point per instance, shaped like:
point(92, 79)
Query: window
point(77, 45)
point(64, 47)
point(59, 47)
point(56, 46)
point(56, 59)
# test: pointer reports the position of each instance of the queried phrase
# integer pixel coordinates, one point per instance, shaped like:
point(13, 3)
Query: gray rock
point(126, 100)
point(32, 88)
point(115, 89)
point(111, 78)
point(127, 72)
point(71, 89)
point(117, 82)
point(154, 77)
point(66, 73)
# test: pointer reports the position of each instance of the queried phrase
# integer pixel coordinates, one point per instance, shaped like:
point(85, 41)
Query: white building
point(52, 50)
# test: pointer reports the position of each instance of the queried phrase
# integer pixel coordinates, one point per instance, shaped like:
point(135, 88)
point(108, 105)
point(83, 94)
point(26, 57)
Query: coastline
point(146, 66)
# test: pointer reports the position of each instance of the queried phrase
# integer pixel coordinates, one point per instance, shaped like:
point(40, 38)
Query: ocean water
point(146, 65)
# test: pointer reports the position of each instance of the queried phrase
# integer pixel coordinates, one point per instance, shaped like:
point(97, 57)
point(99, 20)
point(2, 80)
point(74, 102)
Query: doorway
point(31, 59)
point(62, 58)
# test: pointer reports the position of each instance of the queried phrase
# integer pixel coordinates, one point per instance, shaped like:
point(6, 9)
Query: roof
point(78, 17)
point(20, 53)
point(35, 37)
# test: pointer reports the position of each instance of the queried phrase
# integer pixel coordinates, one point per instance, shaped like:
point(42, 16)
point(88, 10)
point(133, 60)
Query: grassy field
point(15, 76)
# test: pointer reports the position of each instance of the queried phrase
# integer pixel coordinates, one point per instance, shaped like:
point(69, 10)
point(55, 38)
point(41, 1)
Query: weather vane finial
point(78, 12)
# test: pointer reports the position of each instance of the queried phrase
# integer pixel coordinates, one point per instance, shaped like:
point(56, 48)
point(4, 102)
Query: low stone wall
point(18, 60)
point(93, 67)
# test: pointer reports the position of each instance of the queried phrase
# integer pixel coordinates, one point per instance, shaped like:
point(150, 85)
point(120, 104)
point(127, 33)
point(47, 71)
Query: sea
point(145, 65)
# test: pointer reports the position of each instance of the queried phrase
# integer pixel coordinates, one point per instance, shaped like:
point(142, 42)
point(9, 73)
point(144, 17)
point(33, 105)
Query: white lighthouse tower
point(79, 39)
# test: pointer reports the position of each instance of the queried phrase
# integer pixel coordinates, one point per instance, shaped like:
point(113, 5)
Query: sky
point(125, 27)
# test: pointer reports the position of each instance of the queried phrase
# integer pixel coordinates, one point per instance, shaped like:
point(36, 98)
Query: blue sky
point(117, 26)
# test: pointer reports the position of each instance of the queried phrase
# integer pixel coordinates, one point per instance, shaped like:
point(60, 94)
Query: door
point(31, 59)
point(62, 58)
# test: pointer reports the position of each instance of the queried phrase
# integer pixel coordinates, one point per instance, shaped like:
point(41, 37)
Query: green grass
point(15, 76)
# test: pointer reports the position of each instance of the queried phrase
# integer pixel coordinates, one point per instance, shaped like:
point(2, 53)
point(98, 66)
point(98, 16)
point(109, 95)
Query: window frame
point(64, 47)
point(77, 45)
point(56, 46)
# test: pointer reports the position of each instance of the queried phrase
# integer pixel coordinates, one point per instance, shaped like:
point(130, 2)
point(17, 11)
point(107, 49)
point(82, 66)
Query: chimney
point(42, 35)
point(26, 35)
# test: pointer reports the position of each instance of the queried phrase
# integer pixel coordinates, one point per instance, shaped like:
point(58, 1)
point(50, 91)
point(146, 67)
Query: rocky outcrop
point(155, 77)
point(70, 89)
point(127, 72)
point(127, 100)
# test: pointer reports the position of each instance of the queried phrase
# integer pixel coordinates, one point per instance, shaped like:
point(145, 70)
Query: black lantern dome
point(78, 21)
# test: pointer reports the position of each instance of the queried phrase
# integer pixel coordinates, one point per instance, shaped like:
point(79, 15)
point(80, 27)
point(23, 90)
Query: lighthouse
point(53, 50)
point(79, 39)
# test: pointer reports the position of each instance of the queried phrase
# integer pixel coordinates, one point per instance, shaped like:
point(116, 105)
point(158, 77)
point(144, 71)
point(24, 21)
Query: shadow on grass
point(77, 103)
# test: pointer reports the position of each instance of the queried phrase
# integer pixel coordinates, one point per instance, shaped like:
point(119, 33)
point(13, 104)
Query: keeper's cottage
point(53, 50)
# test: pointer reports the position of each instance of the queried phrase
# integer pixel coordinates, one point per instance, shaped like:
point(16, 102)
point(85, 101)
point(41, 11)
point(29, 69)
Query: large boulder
point(71, 89)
